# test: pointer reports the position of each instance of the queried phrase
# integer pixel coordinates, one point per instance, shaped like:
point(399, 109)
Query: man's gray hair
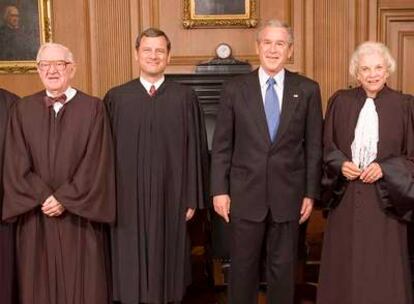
point(68, 54)
point(277, 24)
point(369, 48)
point(7, 10)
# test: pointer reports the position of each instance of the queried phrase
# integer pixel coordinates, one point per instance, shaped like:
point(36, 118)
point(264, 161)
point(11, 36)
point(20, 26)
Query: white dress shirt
point(70, 94)
point(280, 81)
point(147, 85)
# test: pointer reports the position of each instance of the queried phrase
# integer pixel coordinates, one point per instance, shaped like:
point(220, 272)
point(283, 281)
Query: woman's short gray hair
point(368, 48)
point(68, 53)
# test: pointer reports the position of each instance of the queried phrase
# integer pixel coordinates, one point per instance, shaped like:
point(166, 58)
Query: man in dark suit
point(266, 166)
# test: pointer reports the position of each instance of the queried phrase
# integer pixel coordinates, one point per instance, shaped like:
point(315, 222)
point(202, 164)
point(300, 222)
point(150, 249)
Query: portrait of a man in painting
point(220, 7)
point(19, 30)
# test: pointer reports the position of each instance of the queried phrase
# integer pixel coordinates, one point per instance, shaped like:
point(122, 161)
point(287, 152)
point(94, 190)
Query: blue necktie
point(272, 109)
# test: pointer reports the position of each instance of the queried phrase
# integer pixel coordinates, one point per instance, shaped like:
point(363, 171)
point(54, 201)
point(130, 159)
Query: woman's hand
point(372, 173)
point(350, 170)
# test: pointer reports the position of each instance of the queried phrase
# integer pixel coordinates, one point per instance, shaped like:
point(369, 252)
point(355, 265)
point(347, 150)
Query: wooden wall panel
point(341, 25)
point(396, 29)
point(73, 32)
point(402, 4)
point(111, 44)
point(21, 84)
point(405, 74)
point(334, 42)
point(192, 46)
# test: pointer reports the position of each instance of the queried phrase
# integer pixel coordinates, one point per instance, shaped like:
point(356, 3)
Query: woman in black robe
point(7, 271)
point(365, 254)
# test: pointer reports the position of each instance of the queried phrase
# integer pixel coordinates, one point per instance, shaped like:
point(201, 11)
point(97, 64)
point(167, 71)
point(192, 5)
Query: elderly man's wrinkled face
point(274, 49)
point(372, 73)
point(153, 57)
point(12, 17)
point(55, 70)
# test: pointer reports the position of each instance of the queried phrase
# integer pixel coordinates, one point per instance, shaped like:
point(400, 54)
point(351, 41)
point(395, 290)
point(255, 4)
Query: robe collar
point(381, 93)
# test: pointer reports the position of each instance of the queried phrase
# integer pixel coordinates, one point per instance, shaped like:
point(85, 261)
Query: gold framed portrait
point(24, 26)
point(219, 13)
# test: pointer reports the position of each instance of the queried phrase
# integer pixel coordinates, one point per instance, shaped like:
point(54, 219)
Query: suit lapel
point(254, 101)
point(292, 95)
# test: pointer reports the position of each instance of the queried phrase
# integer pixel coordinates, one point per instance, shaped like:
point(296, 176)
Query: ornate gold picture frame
point(24, 26)
point(219, 13)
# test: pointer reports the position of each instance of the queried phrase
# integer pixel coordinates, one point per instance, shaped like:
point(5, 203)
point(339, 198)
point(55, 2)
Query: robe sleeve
point(396, 188)
point(90, 193)
point(197, 152)
point(7, 99)
point(333, 182)
point(108, 102)
point(24, 190)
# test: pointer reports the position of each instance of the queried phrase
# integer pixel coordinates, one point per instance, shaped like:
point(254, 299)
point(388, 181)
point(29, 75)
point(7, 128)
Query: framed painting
point(24, 25)
point(219, 13)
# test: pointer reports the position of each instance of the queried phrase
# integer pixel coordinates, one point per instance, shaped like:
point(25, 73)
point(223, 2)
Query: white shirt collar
point(70, 93)
point(279, 77)
point(147, 85)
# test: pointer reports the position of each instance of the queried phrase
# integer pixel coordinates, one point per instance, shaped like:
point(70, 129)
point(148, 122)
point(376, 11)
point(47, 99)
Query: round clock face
point(223, 51)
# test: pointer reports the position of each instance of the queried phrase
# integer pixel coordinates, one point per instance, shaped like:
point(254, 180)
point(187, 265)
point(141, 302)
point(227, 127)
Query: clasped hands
point(52, 207)
point(370, 175)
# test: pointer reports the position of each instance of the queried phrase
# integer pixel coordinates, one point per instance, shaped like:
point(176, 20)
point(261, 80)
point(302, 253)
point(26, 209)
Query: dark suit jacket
point(257, 174)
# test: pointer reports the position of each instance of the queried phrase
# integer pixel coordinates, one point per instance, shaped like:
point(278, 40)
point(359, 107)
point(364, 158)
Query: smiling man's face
point(153, 57)
point(55, 70)
point(274, 49)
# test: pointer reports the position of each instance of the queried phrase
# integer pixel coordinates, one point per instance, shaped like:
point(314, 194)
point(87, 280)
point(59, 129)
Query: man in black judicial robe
point(7, 270)
point(156, 131)
point(59, 188)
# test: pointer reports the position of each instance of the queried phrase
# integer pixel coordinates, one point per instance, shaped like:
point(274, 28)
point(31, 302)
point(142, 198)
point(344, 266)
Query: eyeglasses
point(59, 65)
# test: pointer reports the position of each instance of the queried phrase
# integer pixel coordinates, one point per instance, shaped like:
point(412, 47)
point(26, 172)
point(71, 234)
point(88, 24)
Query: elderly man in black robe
point(155, 126)
point(59, 188)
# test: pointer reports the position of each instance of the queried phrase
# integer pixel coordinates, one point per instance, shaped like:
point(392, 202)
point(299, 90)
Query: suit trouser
point(279, 240)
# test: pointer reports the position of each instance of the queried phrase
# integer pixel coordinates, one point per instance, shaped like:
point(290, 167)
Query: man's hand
point(306, 210)
point(350, 170)
point(51, 207)
point(372, 173)
point(189, 214)
point(222, 206)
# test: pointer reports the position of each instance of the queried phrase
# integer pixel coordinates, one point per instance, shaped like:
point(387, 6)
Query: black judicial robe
point(158, 146)
point(7, 271)
point(365, 253)
point(63, 259)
